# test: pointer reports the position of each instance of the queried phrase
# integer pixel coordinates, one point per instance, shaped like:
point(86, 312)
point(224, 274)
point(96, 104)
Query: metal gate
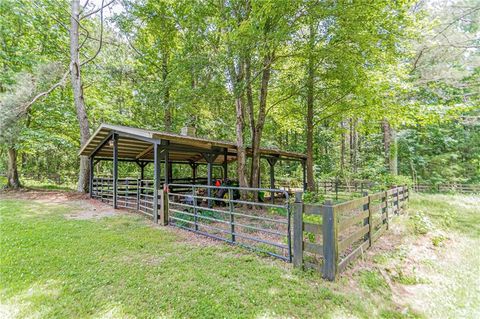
point(254, 218)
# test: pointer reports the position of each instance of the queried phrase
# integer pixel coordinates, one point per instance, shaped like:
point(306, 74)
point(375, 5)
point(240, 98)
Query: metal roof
point(137, 144)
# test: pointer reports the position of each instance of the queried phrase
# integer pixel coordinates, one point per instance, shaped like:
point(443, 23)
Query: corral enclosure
point(324, 237)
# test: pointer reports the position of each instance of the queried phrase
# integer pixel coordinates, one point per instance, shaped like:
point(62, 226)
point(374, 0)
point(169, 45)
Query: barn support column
point(194, 166)
point(225, 164)
point(272, 161)
point(90, 181)
point(156, 180)
point(115, 169)
point(210, 158)
point(167, 166)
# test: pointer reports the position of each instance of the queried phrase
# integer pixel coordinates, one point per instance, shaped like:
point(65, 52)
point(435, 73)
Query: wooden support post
point(156, 180)
point(115, 170)
point(170, 172)
point(142, 170)
point(366, 221)
point(210, 158)
point(398, 199)
point(386, 210)
point(164, 207)
point(370, 222)
point(298, 231)
point(166, 166)
point(90, 182)
point(304, 173)
point(330, 241)
point(225, 164)
point(272, 161)
point(194, 166)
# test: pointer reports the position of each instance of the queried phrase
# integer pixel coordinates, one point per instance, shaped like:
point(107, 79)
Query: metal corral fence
point(226, 213)
point(328, 237)
point(232, 215)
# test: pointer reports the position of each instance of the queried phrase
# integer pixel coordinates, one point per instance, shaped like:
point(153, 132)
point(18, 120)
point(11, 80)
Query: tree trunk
point(167, 121)
point(342, 148)
point(353, 146)
point(249, 108)
point(237, 77)
point(390, 153)
point(78, 94)
point(310, 93)
point(267, 60)
point(12, 172)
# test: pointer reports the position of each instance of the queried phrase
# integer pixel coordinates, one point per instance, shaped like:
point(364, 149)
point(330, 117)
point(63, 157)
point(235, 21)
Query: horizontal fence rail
point(447, 188)
point(254, 218)
point(239, 216)
point(328, 237)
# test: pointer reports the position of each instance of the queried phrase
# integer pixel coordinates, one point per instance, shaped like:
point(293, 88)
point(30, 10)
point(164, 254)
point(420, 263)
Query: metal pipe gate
point(239, 216)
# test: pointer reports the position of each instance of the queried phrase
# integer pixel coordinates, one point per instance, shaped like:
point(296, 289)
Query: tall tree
point(76, 80)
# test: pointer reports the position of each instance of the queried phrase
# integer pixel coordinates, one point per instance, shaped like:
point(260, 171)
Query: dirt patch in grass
point(42, 195)
point(92, 209)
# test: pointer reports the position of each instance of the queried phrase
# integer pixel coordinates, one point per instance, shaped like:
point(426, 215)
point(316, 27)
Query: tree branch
point(97, 10)
point(25, 107)
point(101, 38)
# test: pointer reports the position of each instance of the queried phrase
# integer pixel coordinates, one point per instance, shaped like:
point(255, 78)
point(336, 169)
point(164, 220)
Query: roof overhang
point(138, 144)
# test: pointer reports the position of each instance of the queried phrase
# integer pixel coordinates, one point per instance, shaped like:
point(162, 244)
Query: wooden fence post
point(298, 231)
point(386, 209)
point(398, 199)
point(370, 222)
point(367, 220)
point(330, 241)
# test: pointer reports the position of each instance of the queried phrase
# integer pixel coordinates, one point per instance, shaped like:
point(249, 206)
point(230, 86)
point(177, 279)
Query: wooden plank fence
point(446, 188)
point(328, 237)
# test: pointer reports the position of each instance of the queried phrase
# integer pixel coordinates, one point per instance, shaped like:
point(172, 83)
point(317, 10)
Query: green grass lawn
point(123, 267)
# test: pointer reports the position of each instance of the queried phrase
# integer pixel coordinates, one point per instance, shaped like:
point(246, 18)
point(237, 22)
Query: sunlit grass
point(122, 266)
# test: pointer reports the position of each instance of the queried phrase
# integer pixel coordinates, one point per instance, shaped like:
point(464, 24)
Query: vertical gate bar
point(115, 169)
point(195, 211)
point(232, 218)
point(138, 194)
point(156, 180)
point(298, 231)
point(289, 229)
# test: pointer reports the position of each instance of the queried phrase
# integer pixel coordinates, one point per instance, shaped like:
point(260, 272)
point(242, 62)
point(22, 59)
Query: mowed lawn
point(121, 266)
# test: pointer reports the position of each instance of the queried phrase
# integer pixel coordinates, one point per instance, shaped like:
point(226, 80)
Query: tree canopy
point(357, 86)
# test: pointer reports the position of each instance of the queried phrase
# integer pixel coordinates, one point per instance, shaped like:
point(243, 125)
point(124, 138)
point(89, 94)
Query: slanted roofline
point(137, 144)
